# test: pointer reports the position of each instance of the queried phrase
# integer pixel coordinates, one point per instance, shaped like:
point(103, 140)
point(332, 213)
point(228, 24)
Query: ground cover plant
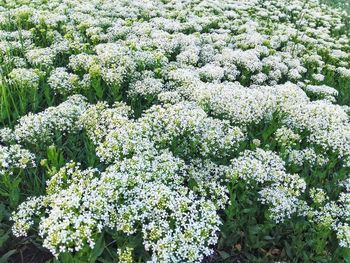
point(174, 131)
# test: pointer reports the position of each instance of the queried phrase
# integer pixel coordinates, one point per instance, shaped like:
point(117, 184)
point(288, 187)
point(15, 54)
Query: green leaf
point(4, 258)
point(104, 260)
point(2, 212)
point(14, 197)
point(67, 258)
point(224, 255)
point(346, 255)
point(288, 249)
point(98, 249)
point(3, 239)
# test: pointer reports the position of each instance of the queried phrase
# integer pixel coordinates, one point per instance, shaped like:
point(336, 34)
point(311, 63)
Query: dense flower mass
point(159, 125)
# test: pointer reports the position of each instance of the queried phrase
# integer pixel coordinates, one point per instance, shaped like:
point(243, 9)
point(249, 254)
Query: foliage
point(174, 131)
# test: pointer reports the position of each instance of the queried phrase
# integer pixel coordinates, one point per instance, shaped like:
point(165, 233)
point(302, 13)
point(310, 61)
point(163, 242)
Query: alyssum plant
point(172, 131)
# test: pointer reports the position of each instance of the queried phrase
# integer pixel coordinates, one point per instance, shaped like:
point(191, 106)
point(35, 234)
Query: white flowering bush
point(174, 131)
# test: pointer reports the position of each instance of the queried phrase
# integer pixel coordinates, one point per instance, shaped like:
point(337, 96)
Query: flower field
point(174, 131)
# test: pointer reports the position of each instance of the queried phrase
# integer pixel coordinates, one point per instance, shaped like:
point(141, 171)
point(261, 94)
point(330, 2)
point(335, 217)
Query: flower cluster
point(41, 127)
point(15, 157)
point(175, 222)
point(280, 189)
point(62, 82)
point(183, 127)
point(25, 77)
point(179, 101)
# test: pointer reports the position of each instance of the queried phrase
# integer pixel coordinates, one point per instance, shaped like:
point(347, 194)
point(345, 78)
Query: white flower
point(63, 82)
point(24, 77)
point(40, 127)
